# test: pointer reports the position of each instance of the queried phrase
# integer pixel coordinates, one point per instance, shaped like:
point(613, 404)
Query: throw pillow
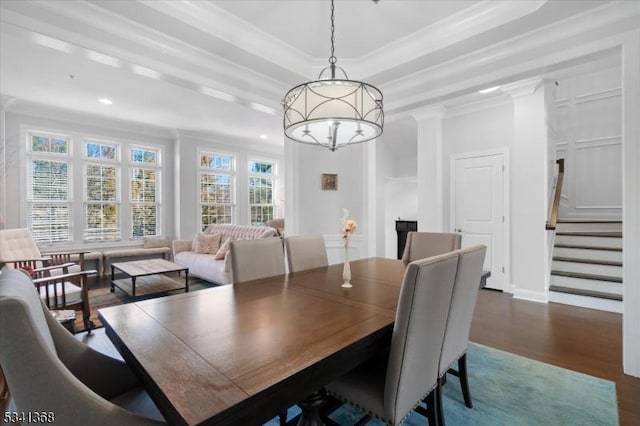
point(155, 242)
point(207, 243)
point(223, 250)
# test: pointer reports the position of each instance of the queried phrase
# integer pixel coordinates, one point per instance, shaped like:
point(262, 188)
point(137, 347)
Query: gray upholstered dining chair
point(456, 336)
point(421, 245)
point(51, 373)
point(255, 259)
point(305, 252)
point(390, 386)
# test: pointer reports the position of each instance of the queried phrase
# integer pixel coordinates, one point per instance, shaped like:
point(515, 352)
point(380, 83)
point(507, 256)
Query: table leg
point(133, 286)
point(186, 281)
point(113, 277)
point(310, 407)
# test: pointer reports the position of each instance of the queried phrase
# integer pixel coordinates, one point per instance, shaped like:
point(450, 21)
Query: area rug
point(507, 389)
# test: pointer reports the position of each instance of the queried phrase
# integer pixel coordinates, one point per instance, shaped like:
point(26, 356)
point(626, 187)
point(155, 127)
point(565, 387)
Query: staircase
point(587, 265)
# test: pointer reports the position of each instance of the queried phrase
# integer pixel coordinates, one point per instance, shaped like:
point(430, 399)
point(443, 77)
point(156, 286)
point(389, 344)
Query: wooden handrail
point(553, 215)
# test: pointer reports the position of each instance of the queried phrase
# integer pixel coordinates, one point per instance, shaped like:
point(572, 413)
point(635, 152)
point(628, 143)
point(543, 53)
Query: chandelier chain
point(332, 58)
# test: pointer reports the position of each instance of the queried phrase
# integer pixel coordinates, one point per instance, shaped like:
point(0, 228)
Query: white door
point(477, 209)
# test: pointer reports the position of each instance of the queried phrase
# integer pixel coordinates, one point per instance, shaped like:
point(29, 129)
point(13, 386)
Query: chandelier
point(333, 112)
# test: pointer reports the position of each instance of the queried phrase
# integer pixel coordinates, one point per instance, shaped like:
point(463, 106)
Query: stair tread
point(591, 234)
point(590, 293)
point(587, 247)
point(589, 261)
point(589, 221)
point(587, 276)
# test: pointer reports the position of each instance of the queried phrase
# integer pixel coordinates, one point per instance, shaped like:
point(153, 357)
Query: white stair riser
point(584, 284)
point(587, 268)
point(576, 240)
point(586, 302)
point(589, 227)
point(586, 254)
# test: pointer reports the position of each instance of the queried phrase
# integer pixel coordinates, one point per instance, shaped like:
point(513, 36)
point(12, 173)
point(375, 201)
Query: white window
point(102, 192)
point(262, 176)
point(216, 189)
point(144, 192)
point(49, 191)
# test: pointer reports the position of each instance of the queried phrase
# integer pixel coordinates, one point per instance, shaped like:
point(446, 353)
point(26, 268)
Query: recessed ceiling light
point(105, 101)
point(263, 137)
point(489, 90)
point(263, 108)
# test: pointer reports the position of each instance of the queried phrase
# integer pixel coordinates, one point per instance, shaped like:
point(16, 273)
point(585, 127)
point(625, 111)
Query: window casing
point(49, 192)
point(216, 182)
point(262, 179)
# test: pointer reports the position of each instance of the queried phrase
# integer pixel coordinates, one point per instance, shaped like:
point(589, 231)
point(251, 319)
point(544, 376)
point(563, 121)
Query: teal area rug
point(511, 390)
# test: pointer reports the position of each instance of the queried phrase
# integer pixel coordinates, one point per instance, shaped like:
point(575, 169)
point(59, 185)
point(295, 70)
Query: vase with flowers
point(349, 226)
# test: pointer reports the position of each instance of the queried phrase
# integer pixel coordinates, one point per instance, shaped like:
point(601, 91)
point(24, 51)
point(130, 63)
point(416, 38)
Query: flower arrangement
point(349, 226)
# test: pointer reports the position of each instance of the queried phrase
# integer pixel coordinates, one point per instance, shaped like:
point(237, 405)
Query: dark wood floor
point(578, 339)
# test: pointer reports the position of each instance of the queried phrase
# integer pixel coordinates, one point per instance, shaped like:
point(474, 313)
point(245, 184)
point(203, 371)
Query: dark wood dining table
point(240, 354)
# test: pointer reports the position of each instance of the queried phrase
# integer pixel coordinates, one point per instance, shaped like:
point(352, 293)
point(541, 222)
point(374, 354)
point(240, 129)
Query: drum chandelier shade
point(333, 112)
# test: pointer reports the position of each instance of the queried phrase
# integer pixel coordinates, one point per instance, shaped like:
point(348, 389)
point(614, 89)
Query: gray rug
point(507, 389)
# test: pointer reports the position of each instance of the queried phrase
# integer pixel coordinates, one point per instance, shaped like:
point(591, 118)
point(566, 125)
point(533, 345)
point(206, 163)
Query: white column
point(430, 168)
point(529, 263)
point(291, 187)
point(631, 203)
point(5, 103)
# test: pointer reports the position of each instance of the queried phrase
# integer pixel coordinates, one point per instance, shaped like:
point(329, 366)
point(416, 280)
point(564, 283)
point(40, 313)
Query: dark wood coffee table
point(148, 277)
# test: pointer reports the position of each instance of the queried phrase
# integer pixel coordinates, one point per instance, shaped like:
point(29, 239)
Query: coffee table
point(148, 276)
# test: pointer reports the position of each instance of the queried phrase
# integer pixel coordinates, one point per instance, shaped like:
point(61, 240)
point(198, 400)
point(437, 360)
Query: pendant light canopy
point(333, 112)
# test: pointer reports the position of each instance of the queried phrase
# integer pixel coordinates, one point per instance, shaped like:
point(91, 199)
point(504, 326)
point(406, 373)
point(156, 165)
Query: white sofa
point(206, 266)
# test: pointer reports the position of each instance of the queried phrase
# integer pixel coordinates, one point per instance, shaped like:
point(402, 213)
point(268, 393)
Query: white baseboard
point(532, 296)
point(586, 302)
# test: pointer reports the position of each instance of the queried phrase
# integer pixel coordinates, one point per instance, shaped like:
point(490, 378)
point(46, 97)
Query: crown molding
point(37, 110)
point(479, 106)
point(465, 24)
point(523, 88)
point(220, 23)
point(228, 142)
point(428, 112)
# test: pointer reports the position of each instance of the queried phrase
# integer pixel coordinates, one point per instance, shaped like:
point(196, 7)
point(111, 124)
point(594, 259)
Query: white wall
point(474, 130)
point(23, 117)
point(397, 189)
point(313, 210)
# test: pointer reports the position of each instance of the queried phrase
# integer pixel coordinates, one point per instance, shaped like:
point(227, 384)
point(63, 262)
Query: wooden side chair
point(305, 252)
point(61, 282)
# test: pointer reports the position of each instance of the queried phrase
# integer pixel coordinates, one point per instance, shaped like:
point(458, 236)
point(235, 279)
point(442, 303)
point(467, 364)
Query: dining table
point(240, 354)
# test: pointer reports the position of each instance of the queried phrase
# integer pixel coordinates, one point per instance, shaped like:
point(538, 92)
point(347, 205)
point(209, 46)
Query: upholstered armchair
point(50, 372)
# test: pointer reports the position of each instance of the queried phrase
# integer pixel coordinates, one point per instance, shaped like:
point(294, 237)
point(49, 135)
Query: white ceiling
point(222, 67)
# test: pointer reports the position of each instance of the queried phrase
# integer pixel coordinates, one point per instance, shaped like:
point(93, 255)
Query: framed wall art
point(329, 182)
